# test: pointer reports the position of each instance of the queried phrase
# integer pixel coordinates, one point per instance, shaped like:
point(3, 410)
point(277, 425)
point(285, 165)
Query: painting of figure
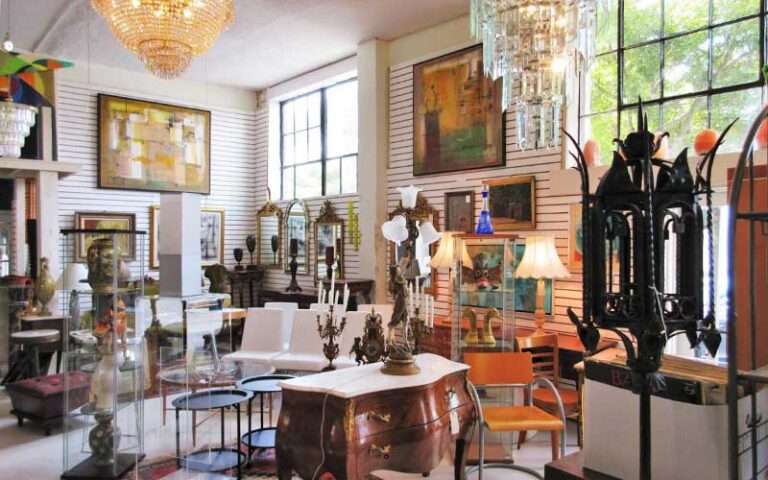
point(458, 121)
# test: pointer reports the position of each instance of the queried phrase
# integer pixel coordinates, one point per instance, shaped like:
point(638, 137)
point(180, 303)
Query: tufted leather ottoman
point(41, 399)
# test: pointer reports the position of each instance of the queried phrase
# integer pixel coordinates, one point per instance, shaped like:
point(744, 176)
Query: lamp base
point(540, 320)
point(400, 367)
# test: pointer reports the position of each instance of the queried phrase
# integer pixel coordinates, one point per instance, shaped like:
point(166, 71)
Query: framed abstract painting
point(457, 118)
point(153, 146)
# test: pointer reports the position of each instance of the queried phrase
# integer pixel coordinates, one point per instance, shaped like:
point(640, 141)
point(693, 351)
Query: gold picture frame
point(512, 202)
point(218, 230)
point(104, 221)
point(153, 146)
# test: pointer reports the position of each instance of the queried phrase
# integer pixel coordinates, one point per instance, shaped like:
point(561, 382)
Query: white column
point(179, 244)
point(48, 238)
point(19, 266)
point(373, 133)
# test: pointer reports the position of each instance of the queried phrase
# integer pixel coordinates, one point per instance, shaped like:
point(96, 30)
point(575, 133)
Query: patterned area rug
point(262, 466)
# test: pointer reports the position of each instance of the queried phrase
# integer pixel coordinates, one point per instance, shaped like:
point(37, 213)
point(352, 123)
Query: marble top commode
point(357, 381)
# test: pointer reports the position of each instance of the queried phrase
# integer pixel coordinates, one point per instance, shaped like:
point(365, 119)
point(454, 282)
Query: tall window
point(318, 151)
point(695, 63)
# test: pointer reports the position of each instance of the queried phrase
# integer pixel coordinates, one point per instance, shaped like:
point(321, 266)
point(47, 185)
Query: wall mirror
point(329, 240)
point(269, 234)
point(422, 212)
point(296, 235)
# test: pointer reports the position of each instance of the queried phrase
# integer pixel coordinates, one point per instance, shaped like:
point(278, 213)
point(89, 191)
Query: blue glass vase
point(484, 226)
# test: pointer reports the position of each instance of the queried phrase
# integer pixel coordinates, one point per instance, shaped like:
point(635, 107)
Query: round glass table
point(215, 459)
point(182, 378)
point(262, 437)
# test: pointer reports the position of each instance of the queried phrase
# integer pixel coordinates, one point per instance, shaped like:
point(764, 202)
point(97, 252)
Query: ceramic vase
point(102, 382)
point(101, 268)
point(104, 439)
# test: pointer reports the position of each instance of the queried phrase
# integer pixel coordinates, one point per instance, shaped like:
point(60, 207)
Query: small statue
point(357, 349)
point(472, 337)
point(45, 287)
point(487, 336)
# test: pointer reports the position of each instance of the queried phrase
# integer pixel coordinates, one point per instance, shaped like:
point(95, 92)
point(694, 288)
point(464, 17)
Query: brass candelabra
point(421, 328)
point(330, 329)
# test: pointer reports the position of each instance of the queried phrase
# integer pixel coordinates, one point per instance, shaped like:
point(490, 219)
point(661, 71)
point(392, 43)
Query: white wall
point(234, 124)
point(551, 206)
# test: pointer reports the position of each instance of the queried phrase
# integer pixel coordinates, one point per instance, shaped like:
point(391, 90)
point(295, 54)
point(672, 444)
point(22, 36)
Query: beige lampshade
point(70, 279)
point(446, 253)
point(540, 259)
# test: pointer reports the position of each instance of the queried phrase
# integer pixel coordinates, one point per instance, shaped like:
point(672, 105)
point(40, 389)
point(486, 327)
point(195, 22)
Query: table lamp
point(446, 255)
point(540, 261)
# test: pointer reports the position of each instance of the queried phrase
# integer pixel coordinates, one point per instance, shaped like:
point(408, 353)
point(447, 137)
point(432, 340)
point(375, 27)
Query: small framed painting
point(512, 202)
point(104, 221)
point(211, 236)
point(460, 211)
point(575, 238)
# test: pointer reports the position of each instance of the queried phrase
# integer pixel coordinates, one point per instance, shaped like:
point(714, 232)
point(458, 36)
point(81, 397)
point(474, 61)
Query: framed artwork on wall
point(575, 238)
point(512, 202)
point(105, 221)
point(576, 241)
point(457, 117)
point(460, 211)
point(153, 146)
point(211, 236)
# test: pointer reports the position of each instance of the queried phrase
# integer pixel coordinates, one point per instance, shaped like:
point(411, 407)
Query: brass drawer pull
point(382, 417)
point(381, 452)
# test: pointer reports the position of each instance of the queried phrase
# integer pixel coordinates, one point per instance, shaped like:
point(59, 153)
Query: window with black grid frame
point(318, 150)
point(695, 63)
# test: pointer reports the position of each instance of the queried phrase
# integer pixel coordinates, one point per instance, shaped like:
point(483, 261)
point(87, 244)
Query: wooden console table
point(239, 280)
point(372, 421)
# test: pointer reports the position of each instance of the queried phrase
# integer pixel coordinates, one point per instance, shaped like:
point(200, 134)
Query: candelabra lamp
point(634, 226)
point(406, 284)
point(330, 329)
point(294, 266)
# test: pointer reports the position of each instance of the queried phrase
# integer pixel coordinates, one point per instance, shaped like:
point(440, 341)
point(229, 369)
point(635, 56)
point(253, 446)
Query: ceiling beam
point(54, 24)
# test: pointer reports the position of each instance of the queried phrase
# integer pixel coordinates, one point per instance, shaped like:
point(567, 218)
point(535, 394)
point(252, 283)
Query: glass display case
point(104, 357)
point(484, 293)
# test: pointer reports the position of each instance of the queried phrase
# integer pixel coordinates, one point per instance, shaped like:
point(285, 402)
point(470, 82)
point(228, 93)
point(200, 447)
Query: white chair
point(384, 309)
point(354, 328)
point(316, 306)
point(305, 350)
point(288, 309)
point(262, 337)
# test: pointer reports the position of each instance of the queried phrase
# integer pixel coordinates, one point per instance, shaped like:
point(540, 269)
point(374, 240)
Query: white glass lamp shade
point(408, 196)
point(395, 230)
point(540, 259)
point(73, 274)
point(428, 234)
point(446, 252)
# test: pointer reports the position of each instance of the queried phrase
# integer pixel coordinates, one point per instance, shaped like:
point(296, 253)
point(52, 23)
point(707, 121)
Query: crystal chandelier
point(529, 44)
point(15, 121)
point(166, 34)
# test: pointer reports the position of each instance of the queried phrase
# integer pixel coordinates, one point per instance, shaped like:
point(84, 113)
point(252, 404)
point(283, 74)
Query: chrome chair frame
point(528, 402)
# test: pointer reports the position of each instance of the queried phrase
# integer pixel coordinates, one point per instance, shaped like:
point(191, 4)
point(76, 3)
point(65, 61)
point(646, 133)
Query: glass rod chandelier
point(530, 44)
point(16, 120)
point(166, 34)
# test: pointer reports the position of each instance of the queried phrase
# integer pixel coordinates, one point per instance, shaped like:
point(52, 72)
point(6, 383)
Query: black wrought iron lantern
point(644, 237)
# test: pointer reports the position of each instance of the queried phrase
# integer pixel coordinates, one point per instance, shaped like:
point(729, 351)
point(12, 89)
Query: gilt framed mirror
point(328, 241)
point(296, 235)
point(269, 235)
point(423, 212)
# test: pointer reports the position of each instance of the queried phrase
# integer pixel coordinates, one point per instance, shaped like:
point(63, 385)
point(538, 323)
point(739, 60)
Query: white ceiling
point(270, 40)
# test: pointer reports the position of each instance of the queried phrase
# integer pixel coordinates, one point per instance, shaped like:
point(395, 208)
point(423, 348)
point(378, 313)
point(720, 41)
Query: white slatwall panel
point(233, 165)
point(551, 209)
point(277, 280)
